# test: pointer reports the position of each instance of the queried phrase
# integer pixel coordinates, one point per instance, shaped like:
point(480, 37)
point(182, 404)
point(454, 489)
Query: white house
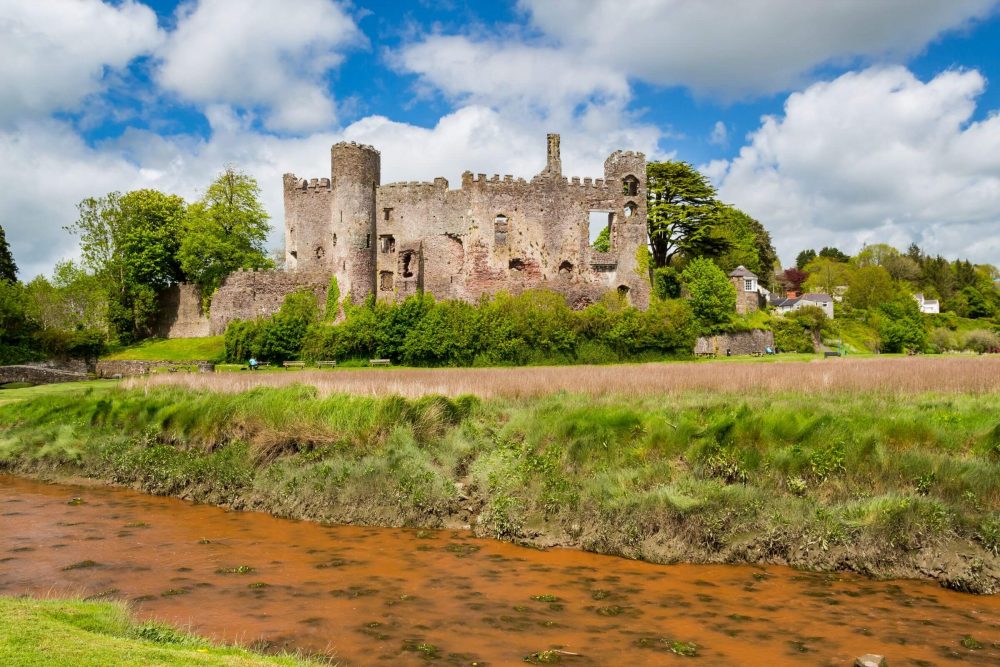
point(787, 305)
point(929, 306)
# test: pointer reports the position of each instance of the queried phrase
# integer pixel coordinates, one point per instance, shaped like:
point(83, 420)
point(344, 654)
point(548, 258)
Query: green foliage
point(666, 283)
point(74, 633)
point(869, 287)
point(748, 244)
point(713, 297)
point(332, 301)
point(791, 336)
point(8, 269)
point(682, 213)
point(603, 241)
point(901, 326)
point(17, 326)
point(277, 338)
point(224, 231)
point(530, 328)
point(803, 259)
point(130, 242)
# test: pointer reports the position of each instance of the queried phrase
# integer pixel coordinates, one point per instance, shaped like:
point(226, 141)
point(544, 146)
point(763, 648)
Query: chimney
point(553, 163)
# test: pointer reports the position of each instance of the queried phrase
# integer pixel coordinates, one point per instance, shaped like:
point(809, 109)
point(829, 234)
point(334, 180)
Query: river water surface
point(375, 596)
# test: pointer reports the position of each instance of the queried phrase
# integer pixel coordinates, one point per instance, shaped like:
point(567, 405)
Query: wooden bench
point(293, 364)
point(326, 364)
point(831, 354)
point(706, 354)
point(380, 362)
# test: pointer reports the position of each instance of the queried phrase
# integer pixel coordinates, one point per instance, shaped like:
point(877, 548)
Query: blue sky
point(837, 123)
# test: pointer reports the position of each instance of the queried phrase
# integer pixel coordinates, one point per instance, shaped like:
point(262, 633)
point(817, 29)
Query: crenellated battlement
point(303, 185)
point(354, 144)
point(437, 183)
point(480, 180)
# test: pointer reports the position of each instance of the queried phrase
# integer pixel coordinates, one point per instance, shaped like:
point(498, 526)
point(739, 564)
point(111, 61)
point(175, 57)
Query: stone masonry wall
point(180, 315)
point(248, 295)
point(38, 375)
point(743, 342)
point(126, 368)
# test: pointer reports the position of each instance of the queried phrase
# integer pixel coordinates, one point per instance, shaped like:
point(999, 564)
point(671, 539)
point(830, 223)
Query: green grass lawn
point(71, 633)
point(59, 389)
point(173, 349)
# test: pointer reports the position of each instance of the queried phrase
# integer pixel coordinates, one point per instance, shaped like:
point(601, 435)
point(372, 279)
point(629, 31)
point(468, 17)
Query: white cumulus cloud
point(875, 156)
point(269, 55)
point(734, 48)
point(53, 53)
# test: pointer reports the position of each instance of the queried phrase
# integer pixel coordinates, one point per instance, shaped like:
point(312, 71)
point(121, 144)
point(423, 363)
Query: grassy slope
point(904, 485)
point(71, 633)
point(173, 349)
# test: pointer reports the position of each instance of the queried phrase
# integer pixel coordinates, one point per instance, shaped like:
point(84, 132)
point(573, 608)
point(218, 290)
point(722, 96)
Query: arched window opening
point(623, 292)
point(630, 186)
point(501, 227)
point(516, 264)
point(566, 267)
point(630, 209)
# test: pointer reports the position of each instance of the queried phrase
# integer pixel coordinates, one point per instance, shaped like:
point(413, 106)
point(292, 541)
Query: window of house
point(748, 285)
point(500, 229)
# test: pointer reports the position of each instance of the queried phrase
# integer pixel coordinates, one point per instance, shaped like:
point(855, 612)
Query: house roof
point(815, 296)
point(742, 272)
point(784, 303)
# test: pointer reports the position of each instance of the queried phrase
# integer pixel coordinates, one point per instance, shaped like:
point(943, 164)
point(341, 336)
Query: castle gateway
point(490, 235)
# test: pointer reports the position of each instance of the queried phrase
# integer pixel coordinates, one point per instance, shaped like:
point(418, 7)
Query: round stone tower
point(356, 171)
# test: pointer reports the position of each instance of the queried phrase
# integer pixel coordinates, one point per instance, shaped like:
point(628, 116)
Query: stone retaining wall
point(743, 342)
point(38, 375)
point(125, 368)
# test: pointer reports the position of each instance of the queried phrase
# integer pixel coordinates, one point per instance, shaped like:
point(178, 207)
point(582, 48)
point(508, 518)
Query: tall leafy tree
point(826, 275)
point(869, 287)
point(682, 213)
point(713, 297)
point(803, 259)
point(225, 231)
point(131, 242)
point(834, 253)
point(8, 269)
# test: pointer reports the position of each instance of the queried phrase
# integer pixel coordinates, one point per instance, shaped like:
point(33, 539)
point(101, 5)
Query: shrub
point(982, 341)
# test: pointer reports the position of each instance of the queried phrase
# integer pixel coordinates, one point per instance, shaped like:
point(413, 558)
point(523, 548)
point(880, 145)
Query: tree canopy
point(224, 231)
point(682, 213)
point(712, 296)
point(8, 269)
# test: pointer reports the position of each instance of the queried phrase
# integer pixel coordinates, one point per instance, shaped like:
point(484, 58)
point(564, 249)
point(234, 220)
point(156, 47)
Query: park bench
point(293, 364)
point(326, 364)
point(831, 354)
point(706, 354)
point(380, 362)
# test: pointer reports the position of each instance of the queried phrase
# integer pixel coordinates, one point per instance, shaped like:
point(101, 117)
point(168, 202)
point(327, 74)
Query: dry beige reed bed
point(881, 375)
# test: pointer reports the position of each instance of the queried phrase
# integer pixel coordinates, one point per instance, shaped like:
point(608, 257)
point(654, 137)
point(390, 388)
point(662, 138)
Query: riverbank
point(883, 484)
point(80, 633)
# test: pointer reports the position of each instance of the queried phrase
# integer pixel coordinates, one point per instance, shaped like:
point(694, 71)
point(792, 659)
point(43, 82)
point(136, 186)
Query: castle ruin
point(490, 235)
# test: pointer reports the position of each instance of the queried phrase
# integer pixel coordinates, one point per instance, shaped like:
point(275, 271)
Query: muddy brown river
point(374, 596)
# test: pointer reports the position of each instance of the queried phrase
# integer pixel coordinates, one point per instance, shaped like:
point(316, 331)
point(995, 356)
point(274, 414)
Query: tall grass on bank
point(75, 633)
point(880, 375)
point(879, 482)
